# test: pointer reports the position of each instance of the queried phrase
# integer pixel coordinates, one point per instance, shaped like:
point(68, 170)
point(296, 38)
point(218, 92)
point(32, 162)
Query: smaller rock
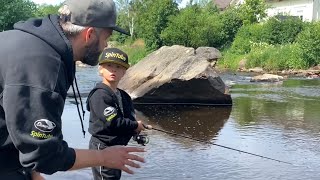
point(267, 78)
point(242, 65)
point(315, 67)
point(256, 70)
point(313, 76)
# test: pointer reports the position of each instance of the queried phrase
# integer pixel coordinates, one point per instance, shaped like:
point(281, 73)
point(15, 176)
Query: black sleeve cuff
point(70, 159)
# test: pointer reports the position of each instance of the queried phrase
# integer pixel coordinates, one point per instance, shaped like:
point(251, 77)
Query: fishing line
point(226, 147)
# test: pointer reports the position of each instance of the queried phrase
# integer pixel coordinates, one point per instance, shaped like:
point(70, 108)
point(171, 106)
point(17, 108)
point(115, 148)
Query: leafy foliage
point(45, 9)
point(253, 10)
point(246, 36)
point(277, 57)
point(309, 43)
point(282, 31)
point(198, 25)
point(231, 23)
point(179, 29)
point(272, 32)
point(126, 19)
point(152, 19)
point(13, 11)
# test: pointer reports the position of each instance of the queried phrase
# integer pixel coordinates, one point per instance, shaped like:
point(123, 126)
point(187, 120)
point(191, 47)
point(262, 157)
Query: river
point(276, 120)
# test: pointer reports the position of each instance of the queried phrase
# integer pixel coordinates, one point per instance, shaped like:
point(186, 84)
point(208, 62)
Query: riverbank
point(229, 62)
point(311, 73)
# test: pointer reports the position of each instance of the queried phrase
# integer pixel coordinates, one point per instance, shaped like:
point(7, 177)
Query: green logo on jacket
point(41, 135)
point(109, 118)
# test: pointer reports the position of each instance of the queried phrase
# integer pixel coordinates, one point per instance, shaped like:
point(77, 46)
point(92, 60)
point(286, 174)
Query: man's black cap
point(94, 13)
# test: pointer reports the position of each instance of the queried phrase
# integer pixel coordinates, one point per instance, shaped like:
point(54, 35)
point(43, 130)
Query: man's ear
point(89, 34)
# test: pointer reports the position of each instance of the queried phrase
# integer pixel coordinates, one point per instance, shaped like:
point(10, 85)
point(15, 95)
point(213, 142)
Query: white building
point(307, 10)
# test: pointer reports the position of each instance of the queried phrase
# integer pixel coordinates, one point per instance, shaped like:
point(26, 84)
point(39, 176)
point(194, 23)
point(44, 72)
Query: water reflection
point(198, 122)
point(292, 106)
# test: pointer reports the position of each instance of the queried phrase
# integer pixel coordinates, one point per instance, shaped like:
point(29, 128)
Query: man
point(37, 67)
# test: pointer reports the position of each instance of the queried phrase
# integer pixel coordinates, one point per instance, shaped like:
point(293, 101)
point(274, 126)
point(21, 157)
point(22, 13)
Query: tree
point(126, 18)
point(282, 31)
point(309, 43)
point(13, 11)
point(199, 2)
point(231, 23)
point(152, 19)
point(45, 9)
point(195, 26)
point(253, 10)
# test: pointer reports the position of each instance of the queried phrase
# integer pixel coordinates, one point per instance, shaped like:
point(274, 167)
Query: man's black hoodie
point(36, 70)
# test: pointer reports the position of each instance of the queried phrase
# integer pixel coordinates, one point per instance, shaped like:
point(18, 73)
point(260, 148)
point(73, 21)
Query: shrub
point(278, 57)
point(282, 31)
point(231, 23)
point(136, 50)
point(194, 27)
point(309, 43)
point(230, 60)
point(245, 36)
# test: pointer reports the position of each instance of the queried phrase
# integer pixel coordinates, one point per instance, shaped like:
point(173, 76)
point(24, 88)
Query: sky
point(183, 3)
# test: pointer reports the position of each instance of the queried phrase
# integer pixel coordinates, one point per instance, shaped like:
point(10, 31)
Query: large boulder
point(177, 75)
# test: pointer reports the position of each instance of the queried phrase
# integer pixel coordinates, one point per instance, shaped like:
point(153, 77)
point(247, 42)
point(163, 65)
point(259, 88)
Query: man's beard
point(92, 54)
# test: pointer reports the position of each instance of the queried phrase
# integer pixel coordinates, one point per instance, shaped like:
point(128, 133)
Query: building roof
point(222, 4)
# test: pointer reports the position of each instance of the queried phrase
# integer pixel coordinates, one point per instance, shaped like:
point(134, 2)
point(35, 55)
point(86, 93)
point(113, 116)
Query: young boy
point(112, 117)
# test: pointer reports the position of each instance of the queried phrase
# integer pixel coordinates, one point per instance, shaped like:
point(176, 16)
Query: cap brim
point(115, 62)
point(120, 30)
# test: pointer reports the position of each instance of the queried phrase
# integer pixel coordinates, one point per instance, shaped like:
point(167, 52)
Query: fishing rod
point(199, 140)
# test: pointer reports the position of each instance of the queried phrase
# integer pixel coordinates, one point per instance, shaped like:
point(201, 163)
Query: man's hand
point(119, 157)
point(116, 157)
point(36, 176)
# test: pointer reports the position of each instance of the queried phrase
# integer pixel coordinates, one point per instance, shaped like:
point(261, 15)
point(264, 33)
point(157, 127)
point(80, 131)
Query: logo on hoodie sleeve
point(43, 128)
point(110, 113)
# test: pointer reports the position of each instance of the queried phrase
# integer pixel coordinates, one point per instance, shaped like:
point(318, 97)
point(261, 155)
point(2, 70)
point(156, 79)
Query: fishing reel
point(141, 139)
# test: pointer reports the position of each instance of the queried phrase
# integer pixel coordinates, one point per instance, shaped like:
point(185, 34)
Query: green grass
point(230, 60)
point(136, 50)
point(279, 57)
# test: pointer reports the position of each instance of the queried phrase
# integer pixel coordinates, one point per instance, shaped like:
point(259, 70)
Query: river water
point(276, 120)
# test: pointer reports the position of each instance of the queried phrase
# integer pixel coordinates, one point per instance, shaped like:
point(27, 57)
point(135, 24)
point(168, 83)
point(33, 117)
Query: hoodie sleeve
point(104, 107)
point(34, 124)
point(33, 102)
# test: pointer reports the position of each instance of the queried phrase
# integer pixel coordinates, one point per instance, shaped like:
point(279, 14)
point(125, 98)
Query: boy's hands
point(142, 127)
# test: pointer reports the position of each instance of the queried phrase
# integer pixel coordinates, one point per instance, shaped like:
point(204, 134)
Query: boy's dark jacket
point(108, 124)
point(36, 70)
